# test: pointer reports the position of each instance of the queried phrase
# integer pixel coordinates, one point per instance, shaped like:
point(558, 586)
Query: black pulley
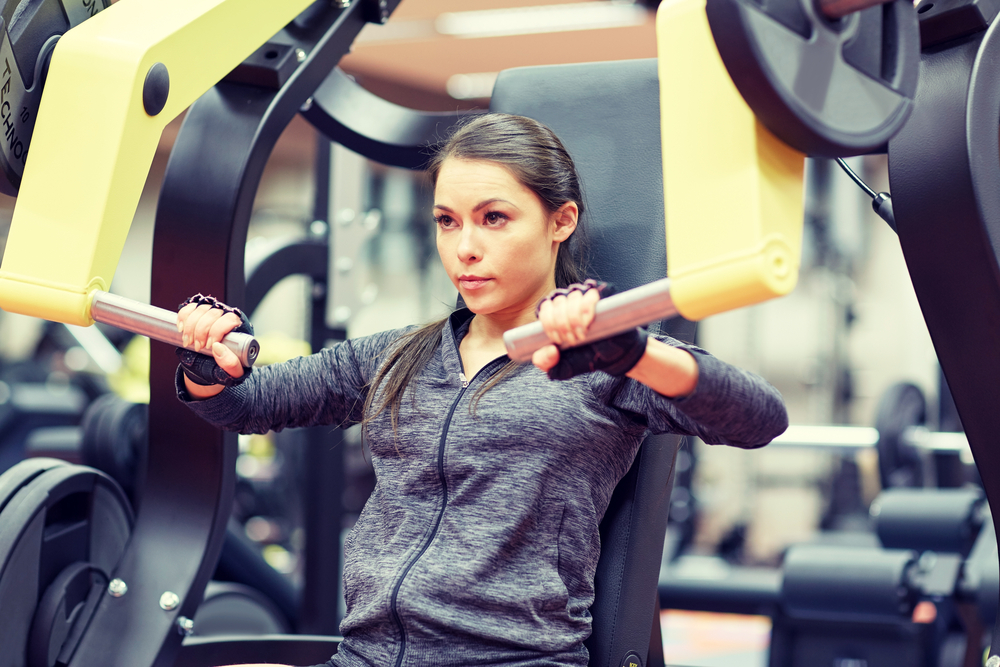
point(826, 87)
point(237, 609)
point(115, 437)
point(61, 536)
point(31, 29)
point(62, 612)
point(899, 463)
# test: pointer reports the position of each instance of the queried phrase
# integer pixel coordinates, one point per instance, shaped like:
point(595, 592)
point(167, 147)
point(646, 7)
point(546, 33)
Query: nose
point(469, 246)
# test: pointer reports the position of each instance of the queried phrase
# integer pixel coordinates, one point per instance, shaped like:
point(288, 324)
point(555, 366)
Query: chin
point(480, 304)
point(477, 306)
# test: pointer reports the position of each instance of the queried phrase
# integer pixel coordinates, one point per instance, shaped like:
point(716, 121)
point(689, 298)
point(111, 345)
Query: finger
point(201, 329)
point(589, 307)
point(560, 320)
point(547, 317)
point(227, 360)
point(574, 317)
point(191, 320)
point(183, 314)
point(546, 357)
point(221, 327)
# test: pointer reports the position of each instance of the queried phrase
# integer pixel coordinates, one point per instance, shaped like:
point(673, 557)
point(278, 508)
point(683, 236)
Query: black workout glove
point(615, 355)
point(201, 368)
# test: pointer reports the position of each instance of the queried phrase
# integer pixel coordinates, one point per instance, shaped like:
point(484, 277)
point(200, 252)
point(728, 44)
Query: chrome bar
point(862, 437)
point(160, 324)
point(617, 313)
point(827, 437)
point(920, 437)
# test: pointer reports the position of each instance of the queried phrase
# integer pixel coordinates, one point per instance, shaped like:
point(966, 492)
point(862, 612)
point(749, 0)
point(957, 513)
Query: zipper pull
point(465, 382)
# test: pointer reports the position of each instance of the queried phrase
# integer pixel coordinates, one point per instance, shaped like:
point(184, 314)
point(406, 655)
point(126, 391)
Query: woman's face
point(496, 239)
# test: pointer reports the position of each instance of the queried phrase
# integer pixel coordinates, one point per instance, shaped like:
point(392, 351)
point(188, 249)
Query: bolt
point(300, 55)
point(185, 626)
point(307, 105)
point(319, 228)
point(117, 588)
point(155, 89)
point(169, 601)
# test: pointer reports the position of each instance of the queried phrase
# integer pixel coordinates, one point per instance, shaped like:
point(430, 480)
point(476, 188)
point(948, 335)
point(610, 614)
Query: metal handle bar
point(614, 315)
point(161, 325)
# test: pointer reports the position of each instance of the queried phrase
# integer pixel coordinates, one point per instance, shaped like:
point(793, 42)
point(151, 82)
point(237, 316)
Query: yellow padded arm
point(733, 193)
point(93, 142)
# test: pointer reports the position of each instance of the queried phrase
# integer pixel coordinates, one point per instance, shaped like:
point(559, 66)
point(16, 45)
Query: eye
point(495, 218)
point(444, 221)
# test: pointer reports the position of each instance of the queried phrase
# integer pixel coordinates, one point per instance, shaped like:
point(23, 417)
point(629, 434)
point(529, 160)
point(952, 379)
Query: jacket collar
point(454, 331)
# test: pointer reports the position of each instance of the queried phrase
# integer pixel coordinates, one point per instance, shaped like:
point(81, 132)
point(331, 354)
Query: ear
point(564, 221)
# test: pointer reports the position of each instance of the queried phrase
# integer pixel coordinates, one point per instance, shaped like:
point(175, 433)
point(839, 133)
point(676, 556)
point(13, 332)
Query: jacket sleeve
point(328, 387)
point(729, 405)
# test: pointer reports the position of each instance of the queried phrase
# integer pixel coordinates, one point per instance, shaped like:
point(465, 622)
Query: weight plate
point(899, 464)
point(115, 438)
point(66, 515)
point(18, 476)
point(31, 29)
point(826, 88)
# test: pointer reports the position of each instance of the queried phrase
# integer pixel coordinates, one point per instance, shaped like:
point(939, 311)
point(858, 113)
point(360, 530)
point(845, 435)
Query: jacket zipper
point(444, 502)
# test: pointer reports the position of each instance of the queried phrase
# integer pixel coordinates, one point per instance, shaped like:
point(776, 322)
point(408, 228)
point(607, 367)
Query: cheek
point(441, 245)
point(529, 261)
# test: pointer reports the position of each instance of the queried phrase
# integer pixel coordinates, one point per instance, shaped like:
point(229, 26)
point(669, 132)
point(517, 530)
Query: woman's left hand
point(565, 319)
point(566, 315)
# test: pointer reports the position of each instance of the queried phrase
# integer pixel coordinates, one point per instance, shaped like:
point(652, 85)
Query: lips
point(472, 282)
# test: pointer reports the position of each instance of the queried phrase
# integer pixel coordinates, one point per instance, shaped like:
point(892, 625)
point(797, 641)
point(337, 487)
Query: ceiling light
point(542, 19)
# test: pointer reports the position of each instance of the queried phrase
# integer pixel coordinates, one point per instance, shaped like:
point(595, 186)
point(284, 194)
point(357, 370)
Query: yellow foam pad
point(733, 193)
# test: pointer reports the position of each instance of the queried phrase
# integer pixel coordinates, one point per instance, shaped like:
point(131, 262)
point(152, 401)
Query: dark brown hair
point(536, 158)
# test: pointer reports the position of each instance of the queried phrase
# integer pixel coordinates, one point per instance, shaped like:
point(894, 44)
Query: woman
point(480, 541)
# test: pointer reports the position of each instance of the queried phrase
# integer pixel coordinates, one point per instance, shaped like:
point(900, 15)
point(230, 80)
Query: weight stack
point(850, 606)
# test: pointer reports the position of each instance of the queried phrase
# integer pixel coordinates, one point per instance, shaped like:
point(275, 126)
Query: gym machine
point(190, 484)
point(922, 593)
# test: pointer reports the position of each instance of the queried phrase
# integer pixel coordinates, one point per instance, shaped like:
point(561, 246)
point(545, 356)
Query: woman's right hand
point(203, 324)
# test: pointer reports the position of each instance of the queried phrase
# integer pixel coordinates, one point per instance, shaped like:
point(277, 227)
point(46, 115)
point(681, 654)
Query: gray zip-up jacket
point(479, 544)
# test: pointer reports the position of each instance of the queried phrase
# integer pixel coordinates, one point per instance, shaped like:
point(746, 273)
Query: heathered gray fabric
point(485, 555)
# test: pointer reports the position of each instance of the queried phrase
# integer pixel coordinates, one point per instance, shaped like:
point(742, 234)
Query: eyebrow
point(481, 205)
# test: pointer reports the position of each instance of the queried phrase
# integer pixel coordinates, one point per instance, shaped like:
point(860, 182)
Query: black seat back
point(608, 116)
